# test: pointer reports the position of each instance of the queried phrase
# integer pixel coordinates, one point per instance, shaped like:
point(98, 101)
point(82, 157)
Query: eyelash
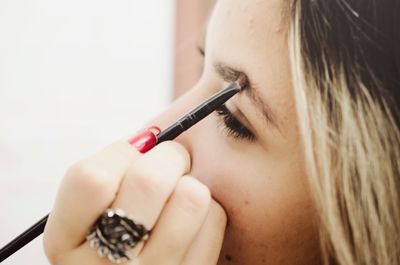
point(233, 126)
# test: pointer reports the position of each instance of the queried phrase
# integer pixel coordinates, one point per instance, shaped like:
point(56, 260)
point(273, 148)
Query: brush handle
point(23, 239)
point(190, 119)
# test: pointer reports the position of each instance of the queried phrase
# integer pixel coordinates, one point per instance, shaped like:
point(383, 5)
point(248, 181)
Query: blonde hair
point(348, 120)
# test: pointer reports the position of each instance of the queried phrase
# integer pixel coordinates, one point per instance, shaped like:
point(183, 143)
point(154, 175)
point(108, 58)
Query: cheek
point(269, 210)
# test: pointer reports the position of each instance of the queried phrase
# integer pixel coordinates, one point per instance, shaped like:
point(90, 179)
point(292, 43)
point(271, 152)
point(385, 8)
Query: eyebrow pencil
point(194, 116)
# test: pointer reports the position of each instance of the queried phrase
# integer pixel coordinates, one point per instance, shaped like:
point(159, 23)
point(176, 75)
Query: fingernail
point(145, 139)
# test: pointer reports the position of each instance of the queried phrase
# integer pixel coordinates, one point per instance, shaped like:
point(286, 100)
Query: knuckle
point(158, 172)
point(52, 254)
point(146, 179)
point(123, 150)
point(88, 176)
point(48, 250)
point(194, 195)
point(176, 151)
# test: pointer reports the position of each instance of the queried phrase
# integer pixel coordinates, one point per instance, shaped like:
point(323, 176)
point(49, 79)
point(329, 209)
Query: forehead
point(250, 36)
point(248, 25)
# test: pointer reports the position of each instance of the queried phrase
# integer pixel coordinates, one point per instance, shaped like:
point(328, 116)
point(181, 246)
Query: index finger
point(86, 190)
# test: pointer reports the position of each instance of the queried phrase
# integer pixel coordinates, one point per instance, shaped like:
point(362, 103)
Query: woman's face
point(260, 178)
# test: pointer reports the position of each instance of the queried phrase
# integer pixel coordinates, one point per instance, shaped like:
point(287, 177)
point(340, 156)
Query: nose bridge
point(176, 110)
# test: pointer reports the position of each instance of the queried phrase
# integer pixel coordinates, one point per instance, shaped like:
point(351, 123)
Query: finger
point(83, 255)
point(179, 223)
point(207, 246)
point(150, 181)
point(87, 189)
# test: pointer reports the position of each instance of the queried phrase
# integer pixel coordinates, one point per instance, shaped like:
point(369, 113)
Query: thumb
point(206, 247)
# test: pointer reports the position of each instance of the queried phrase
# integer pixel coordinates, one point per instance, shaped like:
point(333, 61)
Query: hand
point(187, 225)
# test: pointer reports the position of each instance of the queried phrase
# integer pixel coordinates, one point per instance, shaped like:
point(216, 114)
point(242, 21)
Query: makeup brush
point(201, 111)
point(173, 131)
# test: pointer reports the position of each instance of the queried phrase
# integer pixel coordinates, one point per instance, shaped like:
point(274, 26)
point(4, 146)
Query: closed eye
point(233, 126)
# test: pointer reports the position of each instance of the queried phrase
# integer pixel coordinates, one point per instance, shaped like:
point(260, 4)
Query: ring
point(113, 234)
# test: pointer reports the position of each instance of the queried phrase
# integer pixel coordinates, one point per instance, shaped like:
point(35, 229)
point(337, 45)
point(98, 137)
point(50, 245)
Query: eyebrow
point(230, 74)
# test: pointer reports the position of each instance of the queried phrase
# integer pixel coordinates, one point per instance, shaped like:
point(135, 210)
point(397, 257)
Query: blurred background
point(75, 76)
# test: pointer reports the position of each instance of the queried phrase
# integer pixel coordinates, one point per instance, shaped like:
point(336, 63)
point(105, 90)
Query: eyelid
point(233, 126)
point(239, 115)
point(229, 74)
point(241, 118)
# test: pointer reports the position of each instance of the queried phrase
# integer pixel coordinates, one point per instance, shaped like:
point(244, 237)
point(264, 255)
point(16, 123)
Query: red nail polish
point(145, 139)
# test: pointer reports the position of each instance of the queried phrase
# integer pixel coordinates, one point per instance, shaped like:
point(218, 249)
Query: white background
point(74, 76)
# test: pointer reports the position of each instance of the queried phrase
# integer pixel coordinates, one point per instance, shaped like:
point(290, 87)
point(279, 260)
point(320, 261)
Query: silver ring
point(113, 234)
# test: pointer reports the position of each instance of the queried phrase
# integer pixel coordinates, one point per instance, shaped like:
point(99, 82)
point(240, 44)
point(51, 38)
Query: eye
point(233, 126)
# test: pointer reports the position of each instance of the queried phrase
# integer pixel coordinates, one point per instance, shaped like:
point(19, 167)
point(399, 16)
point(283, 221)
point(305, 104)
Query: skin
point(260, 211)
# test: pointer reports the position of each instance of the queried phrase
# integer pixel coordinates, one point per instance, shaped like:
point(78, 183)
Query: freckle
point(251, 21)
point(246, 202)
point(263, 260)
point(228, 257)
